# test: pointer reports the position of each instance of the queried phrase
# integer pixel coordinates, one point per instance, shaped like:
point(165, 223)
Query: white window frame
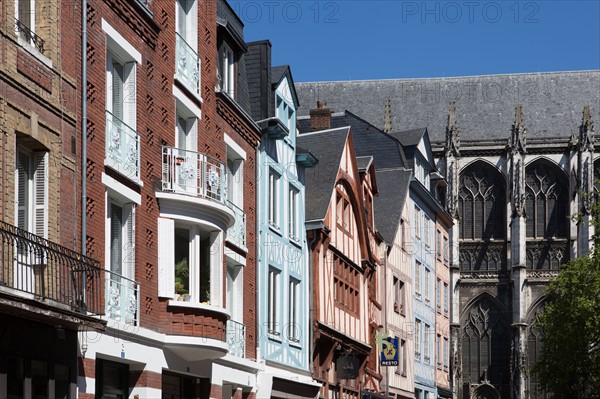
point(36, 198)
point(273, 302)
point(399, 295)
point(445, 353)
point(418, 279)
point(427, 231)
point(273, 195)
point(438, 295)
point(418, 339)
point(417, 223)
point(401, 367)
point(427, 344)
point(427, 285)
point(235, 292)
point(189, 21)
point(293, 217)
point(438, 353)
point(235, 177)
point(293, 311)
point(446, 299)
point(29, 22)
point(228, 70)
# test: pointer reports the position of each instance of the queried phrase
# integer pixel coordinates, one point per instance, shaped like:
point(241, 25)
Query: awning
point(286, 388)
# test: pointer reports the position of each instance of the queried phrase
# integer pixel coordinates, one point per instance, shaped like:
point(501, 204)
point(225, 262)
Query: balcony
point(236, 338)
point(187, 65)
point(122, 147)
point(236, 234)
point(34, 268)
point(122, 299)
point(29, 36)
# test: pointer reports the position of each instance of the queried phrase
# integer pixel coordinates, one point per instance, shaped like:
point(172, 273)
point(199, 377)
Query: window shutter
point(40, 160)
point(238, 295)
point(129, 95)
point(22, 190)
point(230, 180)
point(181, 136)
point(129, 246)
point(116, 239)
point(192, 7)
point(166, 258)
point(117, 90)
point(192, 134)
point(181, 15)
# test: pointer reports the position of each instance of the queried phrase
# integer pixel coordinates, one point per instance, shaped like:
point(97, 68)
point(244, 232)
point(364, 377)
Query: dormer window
point(227, 70)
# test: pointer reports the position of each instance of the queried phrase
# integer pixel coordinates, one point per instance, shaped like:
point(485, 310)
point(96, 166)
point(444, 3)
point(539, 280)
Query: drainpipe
point(312, 242)
point(257, 224)
point(83, 127)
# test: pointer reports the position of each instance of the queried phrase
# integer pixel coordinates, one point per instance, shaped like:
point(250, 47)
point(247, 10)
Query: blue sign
point(389, 351)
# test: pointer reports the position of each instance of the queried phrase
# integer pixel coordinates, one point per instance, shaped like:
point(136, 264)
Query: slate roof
point(277, 73)
point(327, 146)
point(552, 102)
point(368, 140)
point(410, 137)
point(362, 163)
point(393, 187)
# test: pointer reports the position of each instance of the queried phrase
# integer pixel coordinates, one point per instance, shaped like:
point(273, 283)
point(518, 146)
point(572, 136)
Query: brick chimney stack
point(320, 118)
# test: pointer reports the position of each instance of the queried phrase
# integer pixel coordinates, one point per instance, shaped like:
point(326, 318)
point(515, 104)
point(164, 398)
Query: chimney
point(320, 118)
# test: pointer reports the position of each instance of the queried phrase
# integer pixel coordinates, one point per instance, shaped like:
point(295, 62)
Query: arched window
point(481, 203)
point(546, 196)
point(534, 347)
point(486, 342)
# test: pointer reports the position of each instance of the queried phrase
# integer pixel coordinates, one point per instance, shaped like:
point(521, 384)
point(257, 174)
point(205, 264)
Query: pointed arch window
point(534, 347)
point(481, 203)
point(486, 341)
point(597, 175)
point(545, 201)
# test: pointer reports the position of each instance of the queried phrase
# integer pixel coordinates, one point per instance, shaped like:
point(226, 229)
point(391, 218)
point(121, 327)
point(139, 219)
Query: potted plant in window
point(182, 278)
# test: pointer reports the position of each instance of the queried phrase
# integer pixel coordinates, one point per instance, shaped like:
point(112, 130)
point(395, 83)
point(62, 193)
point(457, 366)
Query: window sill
point(294, 344)
point(199, 306)
point(34, 52)
point(274, 336)
point(401, 373)
point(275, 229)
point(296, 241)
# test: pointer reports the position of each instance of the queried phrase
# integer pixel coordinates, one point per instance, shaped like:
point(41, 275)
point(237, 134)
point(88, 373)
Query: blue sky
point(358, 39)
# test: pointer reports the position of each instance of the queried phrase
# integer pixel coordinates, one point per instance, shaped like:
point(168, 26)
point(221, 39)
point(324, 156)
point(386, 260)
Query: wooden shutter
point(40, 192)
point(22, 179)
point(166, 258)
point(129, 95)
point(116, 239)
point(129, 246)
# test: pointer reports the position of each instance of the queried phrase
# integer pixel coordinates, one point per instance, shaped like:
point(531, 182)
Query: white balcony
point(122, 299)
point(236, 338)
point(122, 147)
point(187, 65)
point(236, 234)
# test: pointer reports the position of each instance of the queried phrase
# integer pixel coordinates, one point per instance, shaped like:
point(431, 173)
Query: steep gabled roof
point(393, 187)
point(327, 146)
point(368, 140)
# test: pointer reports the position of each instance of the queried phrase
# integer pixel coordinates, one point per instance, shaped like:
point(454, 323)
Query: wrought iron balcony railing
point(188, 64)
point(236, 234)
point(193, 173)
point(122, 299)
point(29, 36)
point(122, 147)
point(47, 271)
point(236, 338)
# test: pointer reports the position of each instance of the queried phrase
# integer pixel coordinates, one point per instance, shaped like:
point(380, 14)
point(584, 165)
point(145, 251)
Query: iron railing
point(193, 173)
point(29, 36)
point(122, 147)
point(187, 64)
point(236, 338)
point(47, 271)
point(122, 298)
point(236, 234)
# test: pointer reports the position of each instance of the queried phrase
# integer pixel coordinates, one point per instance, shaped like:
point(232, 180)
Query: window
point(427, 231)
point(273, 302)
point(343, 212)
point(399, 295)
point(427, 286)
point(346, 280)
point(187, 132)
point(438, 354)
point(418, 394)
point(446, 251)
point(284, 112)
point(274, 178)
point(235, 180)
point(187, 21)
point(187, 62)
point(403, 232)
point(438, 244)
point(445, 353)
point(121, 297)
point(401, 368)
point(112, 379)
point(25, 25)
point(418, 279)
point(446, 299)
point(294, 327)
point(228, 70)
point(235, 292)
point(438, 295)
point(176, 386)
point(417, 223)
point(427, 343)
point(418, 339)
point(31, 180)
point(293, 214)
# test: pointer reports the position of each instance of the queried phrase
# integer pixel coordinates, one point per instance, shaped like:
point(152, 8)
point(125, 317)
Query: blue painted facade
point(423, 239)
point(282, 242)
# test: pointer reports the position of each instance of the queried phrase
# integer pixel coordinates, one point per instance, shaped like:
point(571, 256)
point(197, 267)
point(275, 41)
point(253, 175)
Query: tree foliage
point(569, 363)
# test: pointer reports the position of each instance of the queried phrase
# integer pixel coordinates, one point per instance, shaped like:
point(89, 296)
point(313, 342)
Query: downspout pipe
point(311, 286)
point(83, 126)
